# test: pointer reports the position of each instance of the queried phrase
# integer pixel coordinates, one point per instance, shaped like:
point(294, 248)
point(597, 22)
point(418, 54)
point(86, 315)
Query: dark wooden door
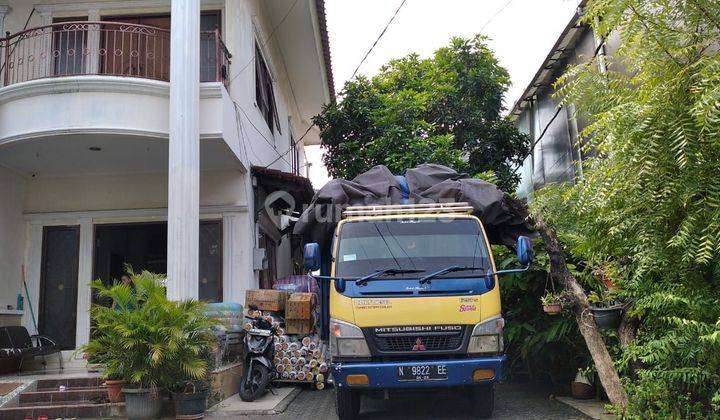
point(59, 284)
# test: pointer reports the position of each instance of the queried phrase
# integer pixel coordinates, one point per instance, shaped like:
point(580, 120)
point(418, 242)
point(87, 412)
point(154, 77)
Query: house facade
point(557, 153)
point(157, 135)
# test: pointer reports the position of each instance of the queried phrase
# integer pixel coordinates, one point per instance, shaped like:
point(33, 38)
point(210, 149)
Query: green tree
point(647, 210)
point(445, 109)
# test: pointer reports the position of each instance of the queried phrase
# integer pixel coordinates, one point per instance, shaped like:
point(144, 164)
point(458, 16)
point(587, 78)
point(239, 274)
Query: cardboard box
point(299, 326)
point(300, 306)
point(266, 299)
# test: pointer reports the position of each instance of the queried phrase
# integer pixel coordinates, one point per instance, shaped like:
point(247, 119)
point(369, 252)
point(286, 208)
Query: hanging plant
point(551, 303)
point(606, 309)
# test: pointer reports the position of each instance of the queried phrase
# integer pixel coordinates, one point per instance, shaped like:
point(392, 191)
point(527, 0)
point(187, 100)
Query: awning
point(272, 183)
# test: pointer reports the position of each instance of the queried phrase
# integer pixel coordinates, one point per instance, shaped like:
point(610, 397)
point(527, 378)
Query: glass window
point(425, 244)
point(264, 93)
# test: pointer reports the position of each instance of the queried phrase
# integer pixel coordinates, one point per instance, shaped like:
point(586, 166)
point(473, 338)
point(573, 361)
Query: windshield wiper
point(451, 269)
point(392, 271)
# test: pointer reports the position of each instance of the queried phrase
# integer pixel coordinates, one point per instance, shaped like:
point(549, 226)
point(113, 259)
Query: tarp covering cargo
point(428, 183)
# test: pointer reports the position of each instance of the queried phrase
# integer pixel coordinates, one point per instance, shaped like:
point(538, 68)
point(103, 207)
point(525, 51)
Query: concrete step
point(96, 395)
point(80, 382)
point(79, 410)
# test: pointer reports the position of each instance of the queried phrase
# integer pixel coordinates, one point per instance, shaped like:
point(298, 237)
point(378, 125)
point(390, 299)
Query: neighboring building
point(86, 161)
point(558, 155)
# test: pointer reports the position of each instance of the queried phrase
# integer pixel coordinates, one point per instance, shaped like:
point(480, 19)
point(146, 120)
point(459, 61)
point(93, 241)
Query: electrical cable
point(264, 43)
point(557, 111)
point(367, 54)
point(392, 18)
point(485, 25)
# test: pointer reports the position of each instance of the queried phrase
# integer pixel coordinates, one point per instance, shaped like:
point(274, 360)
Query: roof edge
point(325, 40)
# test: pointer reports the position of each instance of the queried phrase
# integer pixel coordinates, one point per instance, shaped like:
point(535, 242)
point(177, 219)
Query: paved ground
point(512, 401)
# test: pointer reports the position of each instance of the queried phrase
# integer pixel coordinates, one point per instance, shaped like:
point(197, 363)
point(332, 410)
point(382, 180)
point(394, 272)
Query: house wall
point(113, 192)
point(12, 236)
point(558, 156)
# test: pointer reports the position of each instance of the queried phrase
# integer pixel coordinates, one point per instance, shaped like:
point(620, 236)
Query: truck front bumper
point(383, 375)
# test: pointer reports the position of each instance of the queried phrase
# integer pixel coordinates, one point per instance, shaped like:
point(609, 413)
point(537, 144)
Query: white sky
point(521, 36)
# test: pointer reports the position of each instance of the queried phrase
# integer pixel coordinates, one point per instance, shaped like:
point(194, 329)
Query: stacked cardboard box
point(299, 313)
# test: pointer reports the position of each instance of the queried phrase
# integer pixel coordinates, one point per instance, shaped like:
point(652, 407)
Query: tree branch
point(707, 14)
point(583, 316)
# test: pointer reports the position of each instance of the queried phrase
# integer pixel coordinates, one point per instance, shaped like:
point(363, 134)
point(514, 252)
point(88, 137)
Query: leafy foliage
point(147, 339)
point(538, 346)
point(647, 211)
point(444, 109)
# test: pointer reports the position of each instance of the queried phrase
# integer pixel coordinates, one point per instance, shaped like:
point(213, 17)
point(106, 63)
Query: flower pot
point(581, 390)
point(114, 390)
point(552, 308)
point(142, 403)
point(607, 318)
point(190, 405)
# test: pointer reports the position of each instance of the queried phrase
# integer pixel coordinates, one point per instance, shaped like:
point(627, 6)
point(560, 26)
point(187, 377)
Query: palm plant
point(145, 338)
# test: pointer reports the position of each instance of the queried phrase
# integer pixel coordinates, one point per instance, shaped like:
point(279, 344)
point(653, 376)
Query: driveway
point(512, 401)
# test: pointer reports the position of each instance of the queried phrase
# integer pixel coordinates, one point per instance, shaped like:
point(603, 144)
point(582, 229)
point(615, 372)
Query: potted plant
point(551, 303)
point(606, 309)
point(145, 339)
point(189, 380)
point(582, 387)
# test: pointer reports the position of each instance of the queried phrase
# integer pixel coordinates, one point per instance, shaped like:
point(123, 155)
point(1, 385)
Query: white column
point(184, 151)
point(92, 59)
point(84, 294)
point(46, 54)
point(4, 10)
point(33, 262)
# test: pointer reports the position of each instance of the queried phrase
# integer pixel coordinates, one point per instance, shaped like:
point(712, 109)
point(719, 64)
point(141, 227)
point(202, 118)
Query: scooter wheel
point(254, 382)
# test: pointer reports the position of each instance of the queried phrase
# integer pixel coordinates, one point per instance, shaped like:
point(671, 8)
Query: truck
point(413, 303)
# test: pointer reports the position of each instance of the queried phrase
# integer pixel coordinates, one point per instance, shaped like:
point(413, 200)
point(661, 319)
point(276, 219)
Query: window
point(294, 156)
point(264, 94)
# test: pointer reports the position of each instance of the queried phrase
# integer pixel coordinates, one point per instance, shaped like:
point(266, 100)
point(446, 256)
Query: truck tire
point(347, 403)
point(482, 400)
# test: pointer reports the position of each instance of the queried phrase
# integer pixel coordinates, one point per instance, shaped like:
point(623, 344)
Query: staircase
point(63, 398)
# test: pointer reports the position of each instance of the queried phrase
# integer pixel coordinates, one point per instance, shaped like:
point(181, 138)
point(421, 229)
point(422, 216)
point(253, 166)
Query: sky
point(521, 34)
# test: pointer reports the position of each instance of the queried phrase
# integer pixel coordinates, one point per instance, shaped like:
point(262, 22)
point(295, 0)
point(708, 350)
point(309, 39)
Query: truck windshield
point(422, 244)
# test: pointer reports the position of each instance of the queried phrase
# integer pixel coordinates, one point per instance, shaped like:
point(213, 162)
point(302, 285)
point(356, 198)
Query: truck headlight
point(347, 340)
point(487, 336)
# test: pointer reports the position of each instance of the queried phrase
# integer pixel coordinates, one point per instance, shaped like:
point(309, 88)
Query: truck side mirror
point(525, 251)
point(311, 256)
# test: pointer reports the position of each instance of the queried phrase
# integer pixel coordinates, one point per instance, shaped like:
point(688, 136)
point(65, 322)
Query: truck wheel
point(347, 403)
point(482, 400)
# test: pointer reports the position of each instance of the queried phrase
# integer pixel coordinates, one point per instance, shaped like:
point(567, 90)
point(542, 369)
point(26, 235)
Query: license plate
point(422, 373)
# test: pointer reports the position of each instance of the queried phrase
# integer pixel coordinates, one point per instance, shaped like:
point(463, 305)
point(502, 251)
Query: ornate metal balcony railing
point(102, 48)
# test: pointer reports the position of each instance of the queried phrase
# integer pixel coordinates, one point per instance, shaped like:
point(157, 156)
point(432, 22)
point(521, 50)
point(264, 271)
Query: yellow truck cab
point(414, 303)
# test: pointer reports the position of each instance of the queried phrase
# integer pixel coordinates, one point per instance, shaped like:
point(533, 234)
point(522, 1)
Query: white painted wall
point(126, 192)
point(12, 236)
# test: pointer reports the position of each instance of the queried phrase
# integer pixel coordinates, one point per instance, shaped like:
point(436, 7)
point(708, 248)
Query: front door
point(59, 284)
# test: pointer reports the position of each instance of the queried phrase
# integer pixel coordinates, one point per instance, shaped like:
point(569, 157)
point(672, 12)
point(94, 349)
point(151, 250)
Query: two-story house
point(151, 133)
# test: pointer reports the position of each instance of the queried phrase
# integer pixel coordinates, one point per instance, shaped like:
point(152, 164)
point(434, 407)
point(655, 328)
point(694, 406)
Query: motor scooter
point(259, 369)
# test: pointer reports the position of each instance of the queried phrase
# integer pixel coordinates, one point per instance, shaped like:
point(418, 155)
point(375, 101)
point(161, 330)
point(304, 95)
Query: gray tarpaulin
point(427, 183)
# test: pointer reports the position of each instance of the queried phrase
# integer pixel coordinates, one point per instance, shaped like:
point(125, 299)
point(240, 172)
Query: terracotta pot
point(552, 308)
point(581, 390)
point(114, 390)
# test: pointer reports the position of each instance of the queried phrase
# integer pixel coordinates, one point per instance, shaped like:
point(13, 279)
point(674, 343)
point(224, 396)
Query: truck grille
point(416, 339)
point(428, 343)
